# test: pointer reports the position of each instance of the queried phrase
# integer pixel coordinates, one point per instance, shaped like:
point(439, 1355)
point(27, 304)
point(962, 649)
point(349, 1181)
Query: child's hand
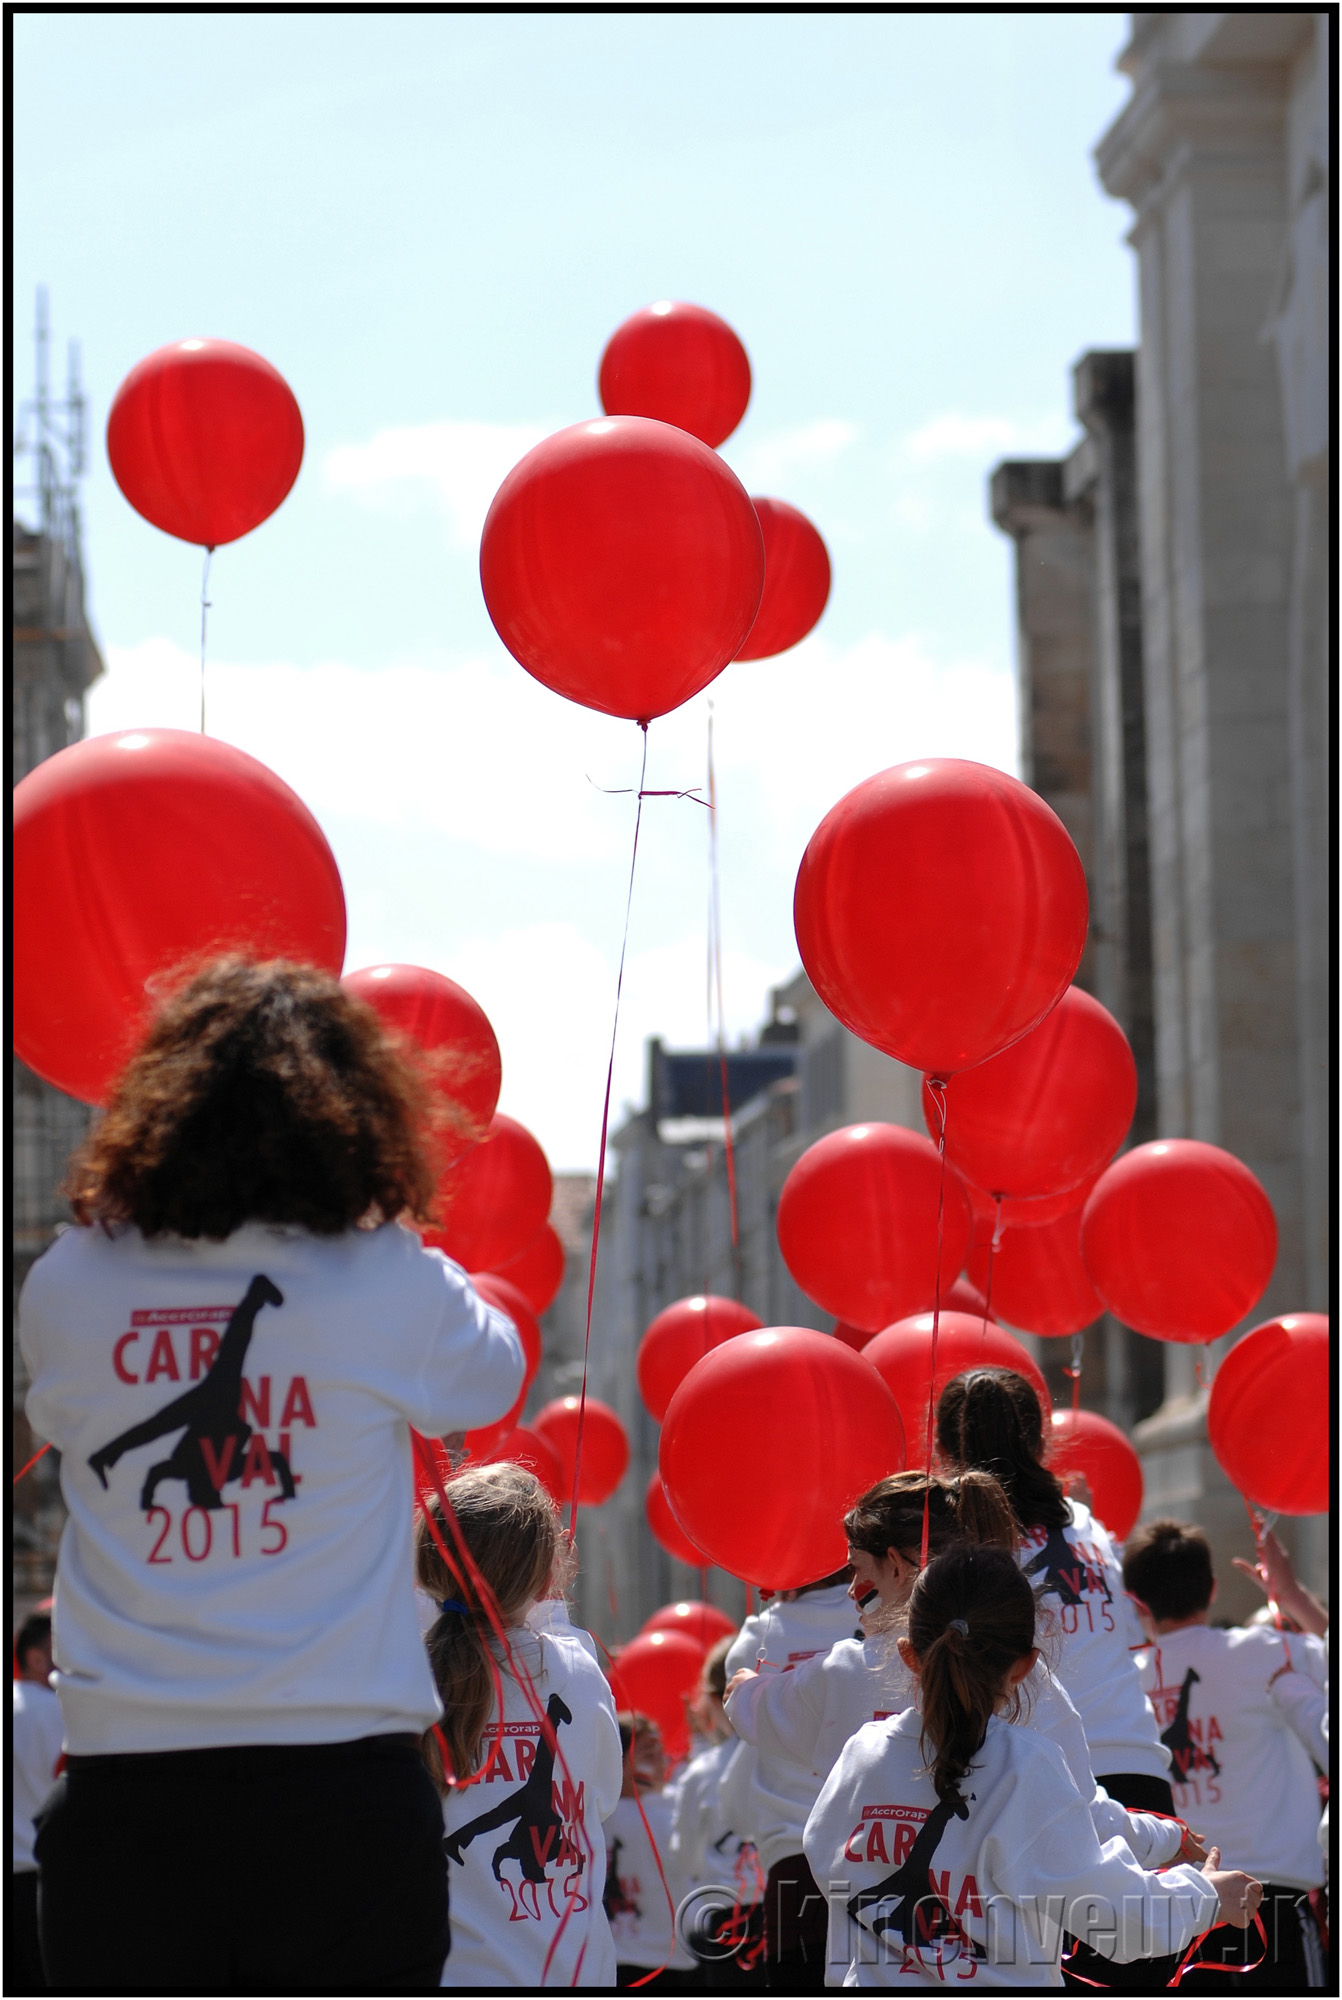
point(741, 1674)
point(1192, 1847)
point(1239, 1893)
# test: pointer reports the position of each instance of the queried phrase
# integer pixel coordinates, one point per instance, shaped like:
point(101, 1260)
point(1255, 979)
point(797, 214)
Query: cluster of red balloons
point(622, 562)
point(658, 1672)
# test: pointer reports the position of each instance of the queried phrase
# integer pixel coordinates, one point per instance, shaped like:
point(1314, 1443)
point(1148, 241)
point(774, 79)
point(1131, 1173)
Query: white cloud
point(771, 461)
point(954, 434)
point(457, 467)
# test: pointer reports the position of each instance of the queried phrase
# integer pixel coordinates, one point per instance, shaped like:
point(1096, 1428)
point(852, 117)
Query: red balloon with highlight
point(1269, 1417)
point(902, 1357)
point(678, 363)
point(681, 1335)
point(494, 1201)
point(205, 439)
point(458, 1048)
point(656, 1674)
point(703, 1623)
point(605, 1446)
point(1085, 1442)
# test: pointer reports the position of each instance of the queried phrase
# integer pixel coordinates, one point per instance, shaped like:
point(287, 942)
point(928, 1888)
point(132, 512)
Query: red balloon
point(1040, 1283)
point(796, 580)
point(622, 564)
point(1268, 1420)
point(539, 1271)
point(136, 856)
point(1017, 1213)
point(495, 1200)
point(498, 1292)
point(656, 1674)
point(940, 912)
point(205, 439)
point(1086, 1443)
point(1050, 1111)
point(703, 1623)
point(459, 1052)
point(857, 1223)
point(666, 1530)
point(680, 364)
point(605, 1447)
point(1179, 1239)
point(527, 1448)
point(966, 1298)
point(484, 1442)
point(902, 1357)
point(682, 1335)
point(767, 1443)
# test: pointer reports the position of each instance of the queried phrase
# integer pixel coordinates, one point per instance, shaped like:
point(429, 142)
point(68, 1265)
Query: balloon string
point(1260, 1526)
point(993, 1248)
point(31, 1463)
point(605, 1128)
point(715, 951)
point(1073, 1368)
point(204, 607)
point(936, 1086)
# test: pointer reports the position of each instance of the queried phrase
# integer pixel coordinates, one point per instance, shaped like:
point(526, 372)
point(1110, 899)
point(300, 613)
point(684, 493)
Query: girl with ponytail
point(990, 1420)
point(962, 1844)
point(527, 1757)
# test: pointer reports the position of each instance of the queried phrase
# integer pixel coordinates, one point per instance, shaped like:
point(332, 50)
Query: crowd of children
point(992, 1748)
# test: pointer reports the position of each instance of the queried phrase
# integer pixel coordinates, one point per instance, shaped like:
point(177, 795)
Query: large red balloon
point(605, 1447)
point(796, 580)
point(666, 1530)
point(902, 1357)
point(1039, 1281)
point(139, 855)
point(703, 1623)
point(681, 1335)
point(655, 1675)
point(494, 1201)
point(1179, 1239)
point(857, 1223)
point(1050, 1111)
point(1269, 1417)
point(940, 912)
point(680, 364)
point(767, 1443)
point(458, 1048)
point(1086, 1443)
point(527, 1448)
point(539, 1271)
point(205, 439)
point(498, 1292)
point(622, 564)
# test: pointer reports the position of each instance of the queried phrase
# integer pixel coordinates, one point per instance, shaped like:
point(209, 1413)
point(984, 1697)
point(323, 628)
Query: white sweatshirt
point(707, 1847)
point(1241, 1775)
point(525, 1849)
point(810, 1713)
point(34, 1763)
point(1094, 1634)
point(231, 1578)
point(641, 1898)
point(777, 1640)
point(922, 1894)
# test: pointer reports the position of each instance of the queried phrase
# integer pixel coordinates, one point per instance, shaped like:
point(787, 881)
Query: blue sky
point(431, 224)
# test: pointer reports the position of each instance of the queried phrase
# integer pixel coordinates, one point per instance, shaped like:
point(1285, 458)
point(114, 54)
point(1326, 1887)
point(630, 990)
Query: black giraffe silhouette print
point(910, 1909)
point(212, 1448)
point(545, 1843)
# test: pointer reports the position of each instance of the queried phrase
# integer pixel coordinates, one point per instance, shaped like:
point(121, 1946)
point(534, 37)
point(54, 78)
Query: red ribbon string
point(993, 1248)
point(936, 1089)
point(605, 1128)
point(715, 965)
point(31, 1463)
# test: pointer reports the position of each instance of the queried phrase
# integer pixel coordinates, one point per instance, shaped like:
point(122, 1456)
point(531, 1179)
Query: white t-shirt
point(1241, 1775)
point(229, 1578)
point(810, 1713)
point(525, 1849)
point(641, 1899)
point(707, 1848)
point(35, 1762)
point(1078, 1573)
point(982, 1894)
point(777, 1640)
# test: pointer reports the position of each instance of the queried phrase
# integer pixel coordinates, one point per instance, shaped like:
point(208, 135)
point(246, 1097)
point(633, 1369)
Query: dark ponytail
point(889, 1514)
point(990, 1420)
point(971, 1618)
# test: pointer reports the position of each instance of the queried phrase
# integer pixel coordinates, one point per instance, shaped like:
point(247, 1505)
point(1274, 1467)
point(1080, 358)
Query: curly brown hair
point(262, 1093)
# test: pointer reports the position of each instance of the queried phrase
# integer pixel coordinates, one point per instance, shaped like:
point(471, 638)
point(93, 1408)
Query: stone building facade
point(1172, 600)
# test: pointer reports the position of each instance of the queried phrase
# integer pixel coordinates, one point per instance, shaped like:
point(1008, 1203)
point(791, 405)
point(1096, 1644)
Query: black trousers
point(23, 1961)
point(796, 1928)
point(1086, 1968)
point(303, 1868)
